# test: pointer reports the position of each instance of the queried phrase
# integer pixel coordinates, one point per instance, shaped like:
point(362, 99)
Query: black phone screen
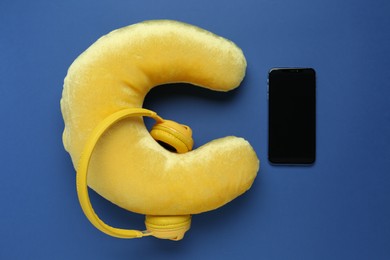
point(292, 116)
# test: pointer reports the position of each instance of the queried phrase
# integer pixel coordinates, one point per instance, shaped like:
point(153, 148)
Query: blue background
point(337, 209)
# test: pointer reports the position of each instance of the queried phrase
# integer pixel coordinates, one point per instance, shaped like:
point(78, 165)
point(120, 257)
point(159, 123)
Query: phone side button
point(267, 89)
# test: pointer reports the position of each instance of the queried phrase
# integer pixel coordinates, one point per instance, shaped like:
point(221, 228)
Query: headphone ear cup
point(173, 136)
point(168, 227)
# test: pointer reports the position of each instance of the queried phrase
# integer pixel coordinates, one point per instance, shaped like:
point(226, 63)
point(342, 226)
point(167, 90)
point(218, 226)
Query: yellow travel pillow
point(127, 166)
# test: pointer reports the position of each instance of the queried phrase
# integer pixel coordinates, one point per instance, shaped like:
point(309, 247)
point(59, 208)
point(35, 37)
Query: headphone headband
point(82, 172)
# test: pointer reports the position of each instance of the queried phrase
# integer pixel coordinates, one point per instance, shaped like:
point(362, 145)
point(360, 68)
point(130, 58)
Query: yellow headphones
point(175, 137)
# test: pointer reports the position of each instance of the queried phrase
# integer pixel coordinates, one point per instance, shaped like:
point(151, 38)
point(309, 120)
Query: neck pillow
point(125, 164)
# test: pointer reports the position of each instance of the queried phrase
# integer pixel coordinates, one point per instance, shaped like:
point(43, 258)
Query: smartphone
point(292, 116)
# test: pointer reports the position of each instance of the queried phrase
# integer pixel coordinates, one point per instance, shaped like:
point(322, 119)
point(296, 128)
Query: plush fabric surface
point(128, 167)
